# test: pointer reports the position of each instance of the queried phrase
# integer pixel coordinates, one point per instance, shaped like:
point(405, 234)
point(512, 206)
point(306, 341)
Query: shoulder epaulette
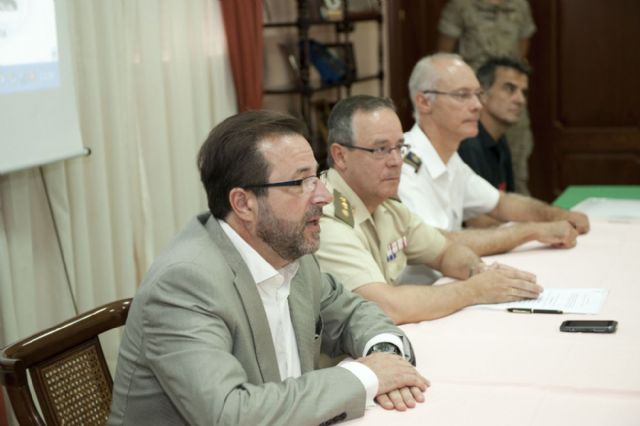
point(342, 208)
point(413, 160)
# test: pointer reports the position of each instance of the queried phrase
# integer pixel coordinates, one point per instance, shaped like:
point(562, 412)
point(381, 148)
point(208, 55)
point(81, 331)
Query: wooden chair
point(68, 371)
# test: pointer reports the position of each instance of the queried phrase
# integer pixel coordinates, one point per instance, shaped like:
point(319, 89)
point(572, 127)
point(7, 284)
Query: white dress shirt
point(443, 195)
point(273, 286)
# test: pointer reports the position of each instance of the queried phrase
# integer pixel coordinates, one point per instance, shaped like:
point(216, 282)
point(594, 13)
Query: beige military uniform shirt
point(484, 29)
point(360, 248)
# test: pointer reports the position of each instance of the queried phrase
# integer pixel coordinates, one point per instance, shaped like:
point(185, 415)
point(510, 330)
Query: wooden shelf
point(352, 17)
point(302, 86)
point(312, 89)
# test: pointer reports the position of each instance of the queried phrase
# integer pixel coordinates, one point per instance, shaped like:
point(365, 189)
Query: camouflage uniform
point(484, 30)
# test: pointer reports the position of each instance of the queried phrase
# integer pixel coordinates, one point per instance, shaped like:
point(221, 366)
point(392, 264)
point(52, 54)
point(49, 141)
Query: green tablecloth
point(575, 194)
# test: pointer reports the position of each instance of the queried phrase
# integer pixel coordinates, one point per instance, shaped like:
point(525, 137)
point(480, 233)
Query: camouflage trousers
point(520, 140)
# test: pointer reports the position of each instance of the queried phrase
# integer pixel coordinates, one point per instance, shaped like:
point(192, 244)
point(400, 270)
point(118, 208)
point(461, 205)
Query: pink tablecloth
point(498, 368)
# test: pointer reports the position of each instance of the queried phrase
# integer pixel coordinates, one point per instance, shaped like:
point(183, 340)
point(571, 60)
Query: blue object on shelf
point(331, 68)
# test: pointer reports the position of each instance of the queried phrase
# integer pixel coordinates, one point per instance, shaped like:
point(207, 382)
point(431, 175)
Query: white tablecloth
point(499, 368)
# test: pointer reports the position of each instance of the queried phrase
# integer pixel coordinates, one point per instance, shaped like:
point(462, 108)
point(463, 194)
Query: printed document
point(567, 300)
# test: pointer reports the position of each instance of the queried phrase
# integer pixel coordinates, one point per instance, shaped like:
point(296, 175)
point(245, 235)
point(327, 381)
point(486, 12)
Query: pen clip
point(520, 310)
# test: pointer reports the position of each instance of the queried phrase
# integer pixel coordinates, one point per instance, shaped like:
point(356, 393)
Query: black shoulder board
point(413, 160)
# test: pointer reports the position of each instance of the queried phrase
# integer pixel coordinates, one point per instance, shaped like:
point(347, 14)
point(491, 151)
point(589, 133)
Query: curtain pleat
point(243, 26)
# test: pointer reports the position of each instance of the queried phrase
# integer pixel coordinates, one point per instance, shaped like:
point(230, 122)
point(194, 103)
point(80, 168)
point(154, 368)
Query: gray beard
point(286, 237)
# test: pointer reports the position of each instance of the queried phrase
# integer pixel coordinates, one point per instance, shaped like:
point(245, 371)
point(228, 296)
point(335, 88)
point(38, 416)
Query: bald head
point(445, 94)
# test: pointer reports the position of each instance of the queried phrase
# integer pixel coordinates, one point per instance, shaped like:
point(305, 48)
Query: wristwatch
point(384, 347)
point(393, 349)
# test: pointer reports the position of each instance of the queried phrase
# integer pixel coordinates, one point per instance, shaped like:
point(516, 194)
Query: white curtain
point(152, 78)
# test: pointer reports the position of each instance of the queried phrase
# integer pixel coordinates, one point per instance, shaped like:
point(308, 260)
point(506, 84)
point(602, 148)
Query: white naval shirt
point(443, 195)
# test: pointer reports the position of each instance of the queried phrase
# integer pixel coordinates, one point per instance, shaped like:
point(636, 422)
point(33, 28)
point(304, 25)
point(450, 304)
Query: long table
point(498, 368)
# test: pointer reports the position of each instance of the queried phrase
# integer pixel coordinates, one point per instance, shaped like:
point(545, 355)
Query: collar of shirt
point(422, 147)
point(358, 209)
point(487, 140)
point(273, 287)
point(263, 273)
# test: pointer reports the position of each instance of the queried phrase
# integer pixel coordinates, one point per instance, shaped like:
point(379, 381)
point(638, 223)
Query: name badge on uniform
point(396, 247)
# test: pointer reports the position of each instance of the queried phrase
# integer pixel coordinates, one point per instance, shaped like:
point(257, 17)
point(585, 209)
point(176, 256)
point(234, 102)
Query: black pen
point(533, 311)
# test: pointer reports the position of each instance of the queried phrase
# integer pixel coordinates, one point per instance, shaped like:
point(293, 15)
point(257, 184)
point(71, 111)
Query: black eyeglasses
point(458, 95)
point(308, 184)
point(382, 151)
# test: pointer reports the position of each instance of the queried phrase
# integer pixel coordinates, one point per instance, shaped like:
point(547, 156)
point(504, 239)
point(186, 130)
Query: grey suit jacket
point(197, 348)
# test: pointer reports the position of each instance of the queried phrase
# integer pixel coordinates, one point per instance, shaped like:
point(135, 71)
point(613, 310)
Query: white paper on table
point(567, 300)
point(609, 208)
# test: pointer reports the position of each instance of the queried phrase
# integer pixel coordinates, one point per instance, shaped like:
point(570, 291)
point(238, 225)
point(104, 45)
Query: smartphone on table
point(589, 326)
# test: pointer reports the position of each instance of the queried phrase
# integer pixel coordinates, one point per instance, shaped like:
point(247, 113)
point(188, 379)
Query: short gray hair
point(425, 75)
point(341, 117)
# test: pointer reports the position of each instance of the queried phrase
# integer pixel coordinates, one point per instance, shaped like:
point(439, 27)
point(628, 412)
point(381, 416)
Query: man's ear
point(337, 154)
point(243, 203)
point(424, 104)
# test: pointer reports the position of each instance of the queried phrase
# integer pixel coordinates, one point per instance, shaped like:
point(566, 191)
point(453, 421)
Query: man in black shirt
point(505, 82)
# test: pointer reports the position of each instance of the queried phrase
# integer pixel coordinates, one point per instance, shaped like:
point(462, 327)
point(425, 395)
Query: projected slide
point(28, 46)
point(39, 116)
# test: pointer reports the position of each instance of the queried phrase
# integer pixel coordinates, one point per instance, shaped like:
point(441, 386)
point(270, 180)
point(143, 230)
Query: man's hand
point(556, 234)
point(501, 283)
point(401, 399)
point(400, 385)
point(580, 221)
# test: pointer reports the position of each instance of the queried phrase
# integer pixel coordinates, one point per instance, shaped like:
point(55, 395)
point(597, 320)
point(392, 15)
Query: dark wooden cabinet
point(412, 34)
point(585, 94)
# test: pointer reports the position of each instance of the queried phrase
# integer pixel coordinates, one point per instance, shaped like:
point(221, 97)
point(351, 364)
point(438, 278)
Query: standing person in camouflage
point(479, 29)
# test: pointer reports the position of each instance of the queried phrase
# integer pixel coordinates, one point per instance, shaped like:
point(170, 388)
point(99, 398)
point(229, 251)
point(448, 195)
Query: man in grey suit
point(229, 322)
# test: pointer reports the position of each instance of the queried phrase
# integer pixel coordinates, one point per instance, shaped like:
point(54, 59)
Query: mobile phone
point(589, 326)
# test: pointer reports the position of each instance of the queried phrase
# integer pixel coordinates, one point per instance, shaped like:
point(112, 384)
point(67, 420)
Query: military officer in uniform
point(368, 237)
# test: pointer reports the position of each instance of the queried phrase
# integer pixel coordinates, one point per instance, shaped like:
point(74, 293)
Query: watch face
point(385, 347)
